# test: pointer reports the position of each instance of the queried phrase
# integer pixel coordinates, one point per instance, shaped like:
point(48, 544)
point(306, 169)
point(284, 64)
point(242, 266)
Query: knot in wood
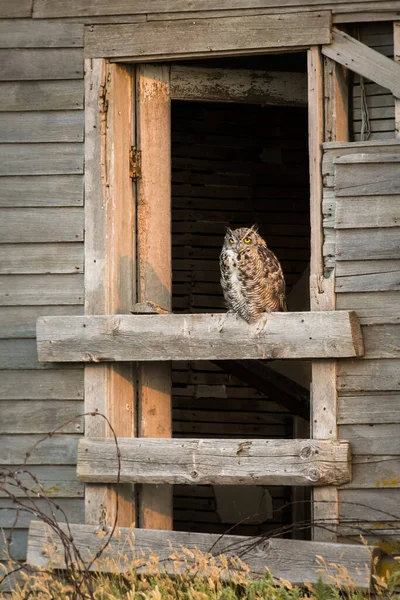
point(194, 474)
point(314, 474)
point(307, 452)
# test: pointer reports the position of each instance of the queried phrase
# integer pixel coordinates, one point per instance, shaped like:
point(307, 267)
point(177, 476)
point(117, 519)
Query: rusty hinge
point(134, 163)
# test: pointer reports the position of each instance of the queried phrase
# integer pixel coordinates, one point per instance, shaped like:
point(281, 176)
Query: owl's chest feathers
point(240, 283)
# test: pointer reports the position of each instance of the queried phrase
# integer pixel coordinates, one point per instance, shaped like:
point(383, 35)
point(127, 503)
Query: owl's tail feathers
point(284, 306)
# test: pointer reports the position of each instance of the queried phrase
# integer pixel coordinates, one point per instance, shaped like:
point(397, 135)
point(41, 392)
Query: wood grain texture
point(368, 244)
point(72, 507)
point(201, 337)
point(363, 60)
point(40, 258)
point(365, 375)
point(51, 126)
point(372, 409)
point(40, 416)
point(370, 175)
point(153, 39)
point(54, 482)
point(41, 95)
point(290, 559)
point(153, 106)
point(369, 505)
point(41, 190)
point(23, 33)
point(367, 276)
point(26, 290)
point(396, 50)
point(367, 212)
point(27, 225)
point(52, 384)
point(59, 450)
point(217, 462)
point(10, 9)
point(229, 85)
point(374, 472)
point(372, 308)
point(33, 64)
point(48, 159)
point(376, 440)
point(20, 321)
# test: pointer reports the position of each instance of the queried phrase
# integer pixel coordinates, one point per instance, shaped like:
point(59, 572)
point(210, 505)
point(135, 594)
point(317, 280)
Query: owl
point(251, 276)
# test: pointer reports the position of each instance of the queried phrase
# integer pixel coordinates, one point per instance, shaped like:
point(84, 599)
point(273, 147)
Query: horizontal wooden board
point(289, 559)
point(45, 126)
point(371, 409)
point(27, 64)
point(20, 354)
point(336, 150)
point(374, 472)
point(41, 258)
point(72, 507)
point(360, 375)
point(41, 190)
point(367, 211)
point(20, 321)
point(218, 462)
point(62, 384)
point(369, 505)
point(198, 337)
point(230, 85)
point(40, 416)
point(368, 244)
point(54, 482)
point(378, 440)
point(375, 175)
point(10, 9)
point(207, 36)
point(18, 547)
point(381, 341)
point(40, 34)
point(38, 225)
point(20, 290)
point(41, 95)
point(60, 449)
point(372, 308)
point(41, 159)
point(367, 276)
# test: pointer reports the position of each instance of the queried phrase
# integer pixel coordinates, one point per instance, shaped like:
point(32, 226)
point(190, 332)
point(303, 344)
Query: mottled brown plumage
point(251, 276)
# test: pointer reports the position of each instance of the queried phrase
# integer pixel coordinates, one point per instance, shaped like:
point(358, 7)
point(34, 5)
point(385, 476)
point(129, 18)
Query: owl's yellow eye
point(231, 241)
point(247, 240)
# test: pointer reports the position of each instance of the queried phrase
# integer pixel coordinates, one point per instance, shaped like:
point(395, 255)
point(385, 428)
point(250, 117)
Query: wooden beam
point(363, 60)
point(198, 337)
point(270, 383)
point(336, 97)
point(396, 48)
point(215, 462)
point(232, 85)
point(109, 263)
point(293, 560)
point(210, 37)
point(154, 267)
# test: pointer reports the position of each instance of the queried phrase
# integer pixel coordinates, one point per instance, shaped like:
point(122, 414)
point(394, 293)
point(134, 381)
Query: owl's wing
point(273, 273)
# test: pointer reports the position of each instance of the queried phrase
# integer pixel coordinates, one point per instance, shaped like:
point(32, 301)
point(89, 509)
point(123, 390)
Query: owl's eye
point(231, 241)
point(247, 240)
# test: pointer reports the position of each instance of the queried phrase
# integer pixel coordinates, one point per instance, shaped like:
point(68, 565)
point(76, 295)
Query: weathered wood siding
point(362, 243)
point(41, 250)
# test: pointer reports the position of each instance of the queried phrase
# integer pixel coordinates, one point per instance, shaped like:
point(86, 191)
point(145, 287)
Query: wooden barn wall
point(41, 252)
point(361, 219)
point(379, 102)
point(232, 165)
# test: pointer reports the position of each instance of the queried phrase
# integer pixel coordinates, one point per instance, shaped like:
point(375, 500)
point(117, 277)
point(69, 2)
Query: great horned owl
point(251, 275)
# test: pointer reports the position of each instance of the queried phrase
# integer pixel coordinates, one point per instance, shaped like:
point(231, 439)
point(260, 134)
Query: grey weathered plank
point(47, 159)
point(369, 505)
point(363, 60)
point(23, 33)
point(54, 482)
point(367, 275)
point(229, 85)
point(367, 177)
point(198, 337)
point(370, 211)
point(41, 258)
point(217, 462)
point(41, 95)
point(52, 384)
point(51, 126)
point(289, 559)
point(359, 375)
point(372, 308)
point(12, 9)
point(20, 354)
point(41, 190)
point(25, 290)
point(40, 416)
point(378, 440)
point(24, 225)
point(382, 341)
point(368, 409)
point(207, 36)
point(73, 508)
point(371, 472)
point(60, 449)
point(336, 150)
point(20, 321)
point(18, 546)
point(368, 244)
point(28, 64)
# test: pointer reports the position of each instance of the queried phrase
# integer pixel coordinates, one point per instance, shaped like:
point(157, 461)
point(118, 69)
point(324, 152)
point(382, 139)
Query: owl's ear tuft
point(254, 228)
point(228, 231)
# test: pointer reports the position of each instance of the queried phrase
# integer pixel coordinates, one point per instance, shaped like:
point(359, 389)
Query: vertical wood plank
point(396, 42)
point(154, 268)
point(110, 270)
point(322, 297)
point(336, 102)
